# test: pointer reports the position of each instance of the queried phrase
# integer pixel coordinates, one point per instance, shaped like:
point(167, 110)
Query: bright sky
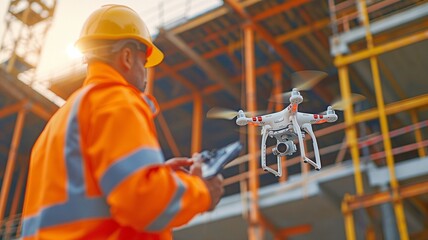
point(71, 14)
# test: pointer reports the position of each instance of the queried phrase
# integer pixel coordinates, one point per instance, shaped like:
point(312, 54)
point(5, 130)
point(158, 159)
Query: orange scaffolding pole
point(255, 229)
point(277, 89)
point(10, 167)
point(17, 196)
point(197, 124)
point(150, 80)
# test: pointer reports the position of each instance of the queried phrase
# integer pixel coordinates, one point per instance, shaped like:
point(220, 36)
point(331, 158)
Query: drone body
point(286, 126)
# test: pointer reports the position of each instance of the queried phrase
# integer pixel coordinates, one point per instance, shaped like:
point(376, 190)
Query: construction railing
point(356, 21)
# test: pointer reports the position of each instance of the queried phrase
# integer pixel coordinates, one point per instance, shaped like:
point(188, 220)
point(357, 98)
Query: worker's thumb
point(196, 169)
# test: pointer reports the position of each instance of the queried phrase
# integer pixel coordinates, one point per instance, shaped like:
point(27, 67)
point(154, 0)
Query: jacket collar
point(99, 72)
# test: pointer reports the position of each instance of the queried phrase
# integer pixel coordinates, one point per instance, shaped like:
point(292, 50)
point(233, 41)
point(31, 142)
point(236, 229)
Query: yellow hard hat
point(116, 22)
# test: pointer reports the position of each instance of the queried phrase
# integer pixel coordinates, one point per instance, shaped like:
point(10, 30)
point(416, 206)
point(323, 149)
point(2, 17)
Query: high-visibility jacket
point(97, 172)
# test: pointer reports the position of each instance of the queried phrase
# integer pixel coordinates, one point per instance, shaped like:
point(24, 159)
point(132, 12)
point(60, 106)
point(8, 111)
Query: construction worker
point(97, 170)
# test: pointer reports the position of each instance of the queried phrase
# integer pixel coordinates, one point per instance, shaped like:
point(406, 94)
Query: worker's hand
point(214, 185)
point(179, 163)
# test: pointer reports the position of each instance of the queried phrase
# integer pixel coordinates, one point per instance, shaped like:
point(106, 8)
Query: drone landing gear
point(278, 172)
point(307, 127)
point(307, 160)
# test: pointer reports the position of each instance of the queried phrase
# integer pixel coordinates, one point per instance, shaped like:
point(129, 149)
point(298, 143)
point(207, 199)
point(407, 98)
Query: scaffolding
point(27, 23)
point(346, 17)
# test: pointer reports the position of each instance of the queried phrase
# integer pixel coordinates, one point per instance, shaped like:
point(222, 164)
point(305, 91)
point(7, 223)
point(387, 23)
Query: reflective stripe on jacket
point(97, 172)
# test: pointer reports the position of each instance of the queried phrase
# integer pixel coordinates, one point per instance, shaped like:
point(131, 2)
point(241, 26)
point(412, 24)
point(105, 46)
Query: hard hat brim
point(154, 58)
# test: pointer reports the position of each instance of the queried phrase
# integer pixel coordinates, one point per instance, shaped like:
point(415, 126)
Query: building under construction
point(373, 183)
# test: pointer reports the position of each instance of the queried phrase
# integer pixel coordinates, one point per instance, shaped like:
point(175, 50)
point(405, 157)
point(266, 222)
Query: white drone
point(286, 125)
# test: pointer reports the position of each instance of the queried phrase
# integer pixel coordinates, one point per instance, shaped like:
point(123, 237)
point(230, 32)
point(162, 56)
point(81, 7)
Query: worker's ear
point(126, 58)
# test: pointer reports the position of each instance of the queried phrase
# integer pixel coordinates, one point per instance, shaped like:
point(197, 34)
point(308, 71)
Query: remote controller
point(214, 161)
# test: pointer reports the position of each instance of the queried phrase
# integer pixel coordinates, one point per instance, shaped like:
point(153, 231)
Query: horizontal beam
point(378, 50)
point(289, 36)
point(281, 51)
point(11, 109)
point(166, 68)
point(280, 8)
point(365, 201)
point(216, 13)
point(296, 230)
point(208, 90)
point(396, 107)
point(339, 43)
point(212, 72)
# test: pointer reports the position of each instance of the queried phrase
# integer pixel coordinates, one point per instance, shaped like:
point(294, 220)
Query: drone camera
point(284, 148)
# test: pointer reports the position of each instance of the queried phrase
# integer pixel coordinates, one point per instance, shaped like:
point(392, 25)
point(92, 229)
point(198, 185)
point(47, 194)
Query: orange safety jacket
point(97, 171)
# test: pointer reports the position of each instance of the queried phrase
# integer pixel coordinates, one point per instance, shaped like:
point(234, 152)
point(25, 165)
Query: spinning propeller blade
point(340, 104)
point(225, 113)
point(222, 113)
point(303, 80)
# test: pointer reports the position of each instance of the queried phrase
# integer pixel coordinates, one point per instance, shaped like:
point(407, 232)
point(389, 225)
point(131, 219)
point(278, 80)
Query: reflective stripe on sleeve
point(126, 166)
point(171, 211)
point(73, 210)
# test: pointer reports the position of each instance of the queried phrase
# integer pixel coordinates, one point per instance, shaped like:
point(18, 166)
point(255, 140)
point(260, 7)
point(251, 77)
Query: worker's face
point(138, 71)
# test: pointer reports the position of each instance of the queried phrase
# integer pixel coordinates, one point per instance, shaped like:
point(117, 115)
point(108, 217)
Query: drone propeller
point(340, 104)
point(225, 113)
point(303, 80)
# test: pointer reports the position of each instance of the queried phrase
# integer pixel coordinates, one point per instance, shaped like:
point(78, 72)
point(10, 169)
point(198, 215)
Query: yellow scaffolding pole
point(381, 113)
point(349, 218)
point(351, 130)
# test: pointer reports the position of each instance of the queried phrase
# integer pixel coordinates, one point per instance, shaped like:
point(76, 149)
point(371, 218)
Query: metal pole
point(388, 219)
point(277, 89)
point(7, 179)
point(197, 124)
point(398, 205)
point(150, 81)
point(254, 231)
point(351, 130)
point(349, 218)
point(16, 199)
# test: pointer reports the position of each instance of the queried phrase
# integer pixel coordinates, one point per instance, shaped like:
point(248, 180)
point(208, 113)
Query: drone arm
point(307, 127)
point(242, 121)
point(315, 118)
